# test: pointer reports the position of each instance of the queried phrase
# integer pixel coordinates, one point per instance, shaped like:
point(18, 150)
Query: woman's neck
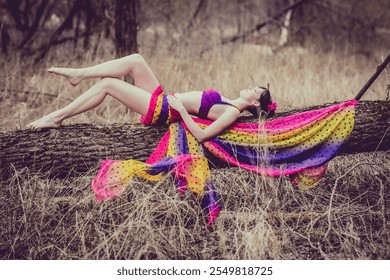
point(240, 103)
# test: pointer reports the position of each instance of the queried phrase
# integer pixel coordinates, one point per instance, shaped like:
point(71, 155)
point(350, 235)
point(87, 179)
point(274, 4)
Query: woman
point(208, 104)
point(301, 144)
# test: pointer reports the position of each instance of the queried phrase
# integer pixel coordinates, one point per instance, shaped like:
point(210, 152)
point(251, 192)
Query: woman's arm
point(218, 126)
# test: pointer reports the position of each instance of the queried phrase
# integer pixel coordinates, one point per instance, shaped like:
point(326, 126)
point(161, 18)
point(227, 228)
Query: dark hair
point(264, 100)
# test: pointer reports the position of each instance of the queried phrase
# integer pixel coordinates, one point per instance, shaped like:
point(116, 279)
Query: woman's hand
point(176, 104)
point(219, 125)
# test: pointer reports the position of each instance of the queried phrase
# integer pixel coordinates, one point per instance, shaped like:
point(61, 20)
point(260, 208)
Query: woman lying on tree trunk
point(298, 146)
point(142, 98)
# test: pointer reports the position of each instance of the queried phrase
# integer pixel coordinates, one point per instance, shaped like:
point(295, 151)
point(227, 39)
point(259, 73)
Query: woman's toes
point(51, 70)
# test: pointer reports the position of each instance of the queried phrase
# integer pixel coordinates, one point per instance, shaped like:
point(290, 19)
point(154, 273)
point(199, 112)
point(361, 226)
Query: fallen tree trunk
point(75, 149)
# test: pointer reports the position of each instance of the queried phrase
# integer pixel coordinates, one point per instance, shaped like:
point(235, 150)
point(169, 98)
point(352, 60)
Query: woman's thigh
point(143, 76)
point(133, 97)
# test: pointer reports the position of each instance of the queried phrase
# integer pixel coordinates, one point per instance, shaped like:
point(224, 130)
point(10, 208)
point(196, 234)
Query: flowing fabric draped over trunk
point(298, 146)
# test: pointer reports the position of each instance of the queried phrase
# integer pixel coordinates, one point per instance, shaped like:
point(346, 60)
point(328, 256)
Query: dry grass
point(346, 217)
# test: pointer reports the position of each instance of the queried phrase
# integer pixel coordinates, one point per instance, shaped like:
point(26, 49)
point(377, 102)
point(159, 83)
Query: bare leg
point(134, 64)
point(133, 97)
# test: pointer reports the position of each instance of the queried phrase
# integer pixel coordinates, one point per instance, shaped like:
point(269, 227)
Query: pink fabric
point(152, 106)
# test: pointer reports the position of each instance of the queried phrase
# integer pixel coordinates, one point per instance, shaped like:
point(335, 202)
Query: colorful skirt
point(159, 112)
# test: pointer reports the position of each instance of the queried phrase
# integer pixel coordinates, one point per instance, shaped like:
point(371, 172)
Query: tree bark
point(126, 27)
point(74, 149)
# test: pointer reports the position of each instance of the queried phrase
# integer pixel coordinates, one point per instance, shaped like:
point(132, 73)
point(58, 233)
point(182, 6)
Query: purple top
point(210, 97)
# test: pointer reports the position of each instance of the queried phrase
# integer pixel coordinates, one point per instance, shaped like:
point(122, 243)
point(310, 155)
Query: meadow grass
point(345, 217)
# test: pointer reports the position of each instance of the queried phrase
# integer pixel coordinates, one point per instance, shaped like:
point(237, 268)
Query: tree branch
point(34, 27)
point(196, 13)
point(373, 77)
point(67, 22)
point(259, 26)
point(15, 12)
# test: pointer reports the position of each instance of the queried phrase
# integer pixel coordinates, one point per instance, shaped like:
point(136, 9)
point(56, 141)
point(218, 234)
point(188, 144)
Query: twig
point(382, 201)
point(383, 137)
point(196, 13)
point(328, 213)
point(56, 42)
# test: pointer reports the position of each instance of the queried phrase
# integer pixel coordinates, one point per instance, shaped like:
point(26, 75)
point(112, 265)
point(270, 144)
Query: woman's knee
point(136, 57)
point(136, 60)
point(106, 83)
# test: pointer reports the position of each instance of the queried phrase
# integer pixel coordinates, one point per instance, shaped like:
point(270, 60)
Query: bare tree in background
point(31, 28)
point(330, 23)
point(126, 27)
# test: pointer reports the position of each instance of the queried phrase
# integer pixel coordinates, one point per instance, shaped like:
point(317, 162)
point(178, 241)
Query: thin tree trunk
point(75, 149)
point(285, 28)
point(126, 27)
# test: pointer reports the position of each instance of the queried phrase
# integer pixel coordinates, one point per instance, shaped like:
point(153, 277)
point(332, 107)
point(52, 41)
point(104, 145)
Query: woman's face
point(251, 94)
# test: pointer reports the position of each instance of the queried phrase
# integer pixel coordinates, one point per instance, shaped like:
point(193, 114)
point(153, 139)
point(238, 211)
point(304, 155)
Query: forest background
point(318, 51)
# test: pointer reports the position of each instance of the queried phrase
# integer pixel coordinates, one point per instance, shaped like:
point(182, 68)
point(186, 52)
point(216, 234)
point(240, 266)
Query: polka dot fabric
point(299, 146)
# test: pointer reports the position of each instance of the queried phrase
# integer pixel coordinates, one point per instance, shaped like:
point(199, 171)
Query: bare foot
point(70, 74)
point(48, 121)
